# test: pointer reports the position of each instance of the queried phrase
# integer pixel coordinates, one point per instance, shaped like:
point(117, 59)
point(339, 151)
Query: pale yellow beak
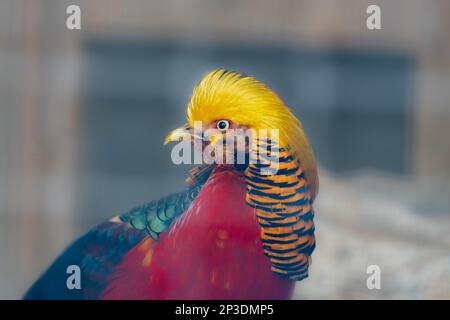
point(186, 133)
point(178, 135)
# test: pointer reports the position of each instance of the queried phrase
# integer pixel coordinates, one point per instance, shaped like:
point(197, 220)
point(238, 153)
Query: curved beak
point(179, 134)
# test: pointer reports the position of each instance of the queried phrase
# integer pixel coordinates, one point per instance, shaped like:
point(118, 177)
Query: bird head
point(225, 100)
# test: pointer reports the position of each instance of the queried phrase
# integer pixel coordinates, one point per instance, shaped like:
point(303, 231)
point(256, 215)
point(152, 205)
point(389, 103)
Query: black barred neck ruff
point(282, 205)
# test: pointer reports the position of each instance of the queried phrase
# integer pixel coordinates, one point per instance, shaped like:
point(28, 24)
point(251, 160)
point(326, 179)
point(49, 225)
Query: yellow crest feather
point(223, 94)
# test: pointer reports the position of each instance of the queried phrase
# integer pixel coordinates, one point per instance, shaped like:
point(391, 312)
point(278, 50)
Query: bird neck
point(283, 207)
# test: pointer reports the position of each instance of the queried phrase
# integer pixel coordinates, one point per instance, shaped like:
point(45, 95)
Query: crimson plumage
point(213, 251)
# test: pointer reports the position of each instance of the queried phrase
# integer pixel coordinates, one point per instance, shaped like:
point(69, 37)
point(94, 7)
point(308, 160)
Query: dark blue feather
point(96, 253)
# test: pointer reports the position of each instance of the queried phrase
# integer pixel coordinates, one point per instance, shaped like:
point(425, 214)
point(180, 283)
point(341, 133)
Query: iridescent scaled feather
point(156, 216)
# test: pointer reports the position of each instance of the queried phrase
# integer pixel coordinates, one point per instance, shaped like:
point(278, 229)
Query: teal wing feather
point(156, 216)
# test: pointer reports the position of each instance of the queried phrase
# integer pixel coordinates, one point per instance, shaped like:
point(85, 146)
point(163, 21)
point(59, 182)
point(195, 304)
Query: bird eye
point(223, 125)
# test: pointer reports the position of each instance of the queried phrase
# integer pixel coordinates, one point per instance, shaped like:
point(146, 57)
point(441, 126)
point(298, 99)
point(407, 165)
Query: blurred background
point(83, 114)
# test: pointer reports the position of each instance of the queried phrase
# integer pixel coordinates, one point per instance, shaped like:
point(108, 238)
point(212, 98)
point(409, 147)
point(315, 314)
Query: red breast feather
point(213, 251)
